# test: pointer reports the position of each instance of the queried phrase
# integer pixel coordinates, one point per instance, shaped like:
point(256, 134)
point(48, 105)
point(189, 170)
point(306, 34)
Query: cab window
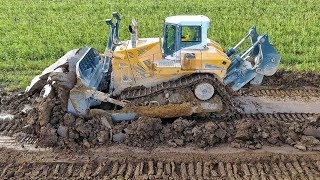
point(190, 35)
point(169, 39)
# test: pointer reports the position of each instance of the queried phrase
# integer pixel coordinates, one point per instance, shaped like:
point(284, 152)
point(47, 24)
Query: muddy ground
point(291, 79)
point(47, 120)
point(264, 122)
point(122, 162)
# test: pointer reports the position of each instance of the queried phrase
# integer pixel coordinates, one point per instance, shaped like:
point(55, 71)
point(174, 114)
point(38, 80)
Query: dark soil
point(248, 133)
point(48, 120)
point(292, 79)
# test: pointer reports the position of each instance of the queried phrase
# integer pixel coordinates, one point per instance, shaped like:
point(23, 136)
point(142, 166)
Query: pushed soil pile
point(246, 132)
point(56, 128)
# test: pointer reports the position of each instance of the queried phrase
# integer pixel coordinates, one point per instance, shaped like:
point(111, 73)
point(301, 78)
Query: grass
point(33, 34)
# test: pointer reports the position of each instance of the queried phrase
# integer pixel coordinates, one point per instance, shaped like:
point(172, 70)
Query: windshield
point(190, 36)
point(169, 39)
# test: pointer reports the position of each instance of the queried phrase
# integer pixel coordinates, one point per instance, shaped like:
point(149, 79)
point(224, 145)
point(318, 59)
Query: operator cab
point(184, 32)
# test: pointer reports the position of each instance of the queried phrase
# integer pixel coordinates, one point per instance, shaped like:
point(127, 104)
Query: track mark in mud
point(21, 142)
point(274, 92)
point(151, 169)
point(275, 104)
point(8, 127)
point(278, 116)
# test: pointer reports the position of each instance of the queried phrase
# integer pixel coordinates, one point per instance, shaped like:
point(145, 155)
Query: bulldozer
point(182, 73)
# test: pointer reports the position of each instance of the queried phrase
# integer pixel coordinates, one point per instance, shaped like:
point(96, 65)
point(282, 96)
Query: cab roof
point(188, 20)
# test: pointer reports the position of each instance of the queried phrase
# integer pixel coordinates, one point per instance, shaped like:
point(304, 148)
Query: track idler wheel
point(207, 98)
point(204, 91)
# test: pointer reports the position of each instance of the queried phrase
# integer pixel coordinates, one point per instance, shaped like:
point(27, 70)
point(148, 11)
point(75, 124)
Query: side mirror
point(131, 29)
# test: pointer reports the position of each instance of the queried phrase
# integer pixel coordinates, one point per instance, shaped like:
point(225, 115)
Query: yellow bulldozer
point(180, 74)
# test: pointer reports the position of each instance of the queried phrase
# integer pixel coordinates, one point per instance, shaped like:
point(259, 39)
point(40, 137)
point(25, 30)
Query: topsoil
point(292, 79)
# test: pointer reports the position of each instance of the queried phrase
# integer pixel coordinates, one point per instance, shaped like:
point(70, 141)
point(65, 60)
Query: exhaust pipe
point(134, 32)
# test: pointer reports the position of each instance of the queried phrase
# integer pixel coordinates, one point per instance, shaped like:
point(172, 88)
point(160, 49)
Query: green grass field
point(33, 34)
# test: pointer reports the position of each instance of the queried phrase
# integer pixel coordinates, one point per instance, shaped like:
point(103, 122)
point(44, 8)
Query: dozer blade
point(260, 60)
point(89, 75)
point(91, 69)
point(239, 79)
point(68, 60)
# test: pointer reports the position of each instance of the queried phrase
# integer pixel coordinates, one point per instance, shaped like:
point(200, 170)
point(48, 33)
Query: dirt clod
point(45, 111)
point(48, 136)
point(210, 126)
point(119, 137)
point(309, 141)
point(180, 124)
point(69, 119)
point(86, 143)
point(62, 131)
point(220, 133)
point(312, 131)
point(179, 142)
point(103, 137)
point(243, 130)
point(300, 146)
point(32, 117)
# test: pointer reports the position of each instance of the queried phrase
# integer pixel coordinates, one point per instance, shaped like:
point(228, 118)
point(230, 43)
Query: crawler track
point(185, 81)
point(230, 99)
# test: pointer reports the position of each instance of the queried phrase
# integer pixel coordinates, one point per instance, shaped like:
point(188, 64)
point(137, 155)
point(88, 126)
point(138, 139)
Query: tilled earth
point(268, 138)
